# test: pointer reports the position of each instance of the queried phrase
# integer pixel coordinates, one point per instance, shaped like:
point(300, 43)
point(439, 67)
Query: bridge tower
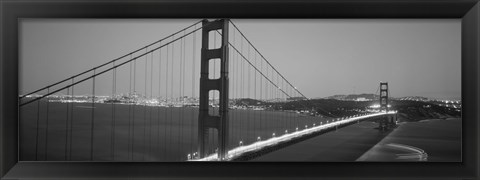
point(384, 96)
point(207, 121)
point(388, 121)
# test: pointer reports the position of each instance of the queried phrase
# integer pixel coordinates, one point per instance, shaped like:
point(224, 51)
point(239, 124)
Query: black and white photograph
point(263, 90)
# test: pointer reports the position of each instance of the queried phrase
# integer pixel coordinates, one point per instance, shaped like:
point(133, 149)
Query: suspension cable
point(116, 59)
point(108, 69)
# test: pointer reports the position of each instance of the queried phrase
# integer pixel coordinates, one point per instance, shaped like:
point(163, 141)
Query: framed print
point(156, 89)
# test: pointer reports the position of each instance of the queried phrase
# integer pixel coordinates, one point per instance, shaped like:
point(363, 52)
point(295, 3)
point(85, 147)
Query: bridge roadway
point(242, 150)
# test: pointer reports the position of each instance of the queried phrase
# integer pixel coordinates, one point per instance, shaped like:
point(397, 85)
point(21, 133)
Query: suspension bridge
point(203, 93)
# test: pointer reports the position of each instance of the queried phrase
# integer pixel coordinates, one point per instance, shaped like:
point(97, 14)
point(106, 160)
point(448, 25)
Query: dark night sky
point(320, 57)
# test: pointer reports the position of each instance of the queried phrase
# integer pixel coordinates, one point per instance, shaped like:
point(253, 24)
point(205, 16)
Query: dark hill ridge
point(248, 102)
point(353, 97)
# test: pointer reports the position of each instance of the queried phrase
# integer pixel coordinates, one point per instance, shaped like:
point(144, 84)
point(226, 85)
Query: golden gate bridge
point(202, 93)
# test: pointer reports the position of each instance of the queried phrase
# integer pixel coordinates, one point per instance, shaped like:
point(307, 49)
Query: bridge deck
point(346, 144)
point(239, 151)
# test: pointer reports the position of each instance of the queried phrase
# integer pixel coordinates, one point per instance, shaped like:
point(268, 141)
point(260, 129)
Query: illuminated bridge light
point(286, 131)
point(258, 138)
point(273, 135)
point(240, 143)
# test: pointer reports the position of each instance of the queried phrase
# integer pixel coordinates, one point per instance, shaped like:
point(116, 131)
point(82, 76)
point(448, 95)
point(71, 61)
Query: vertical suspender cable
point(149, 108)
point(159, 97)
point(130, 107)
point(71, 120)
point(242, 94)
point(268, 122)
point(292, 114)
point(92, 125)
point(134, 106)
point(236, 94)
point(66, 125)
point(268, 95)
point(183, 89)
point(167, 103)
point(255, 97)
point(231, 98)
point(261, 99)
point(284, 103)
point(145, 105)
point(172, 95)
point(289, 113)
point(232, 113)
point(136, 98)
point(277, 102)
point(193, 90)
point(37, 128)
point(248, 92)
point(179, 119)
point(114, 97)
point(46, 130)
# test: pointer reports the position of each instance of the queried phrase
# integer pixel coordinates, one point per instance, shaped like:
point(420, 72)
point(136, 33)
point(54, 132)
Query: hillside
point(353, 97)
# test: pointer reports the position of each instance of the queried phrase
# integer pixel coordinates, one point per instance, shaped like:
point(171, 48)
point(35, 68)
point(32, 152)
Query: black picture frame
point(467, 10)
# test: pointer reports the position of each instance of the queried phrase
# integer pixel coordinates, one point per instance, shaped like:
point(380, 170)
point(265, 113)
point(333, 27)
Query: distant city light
point(375, 106)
